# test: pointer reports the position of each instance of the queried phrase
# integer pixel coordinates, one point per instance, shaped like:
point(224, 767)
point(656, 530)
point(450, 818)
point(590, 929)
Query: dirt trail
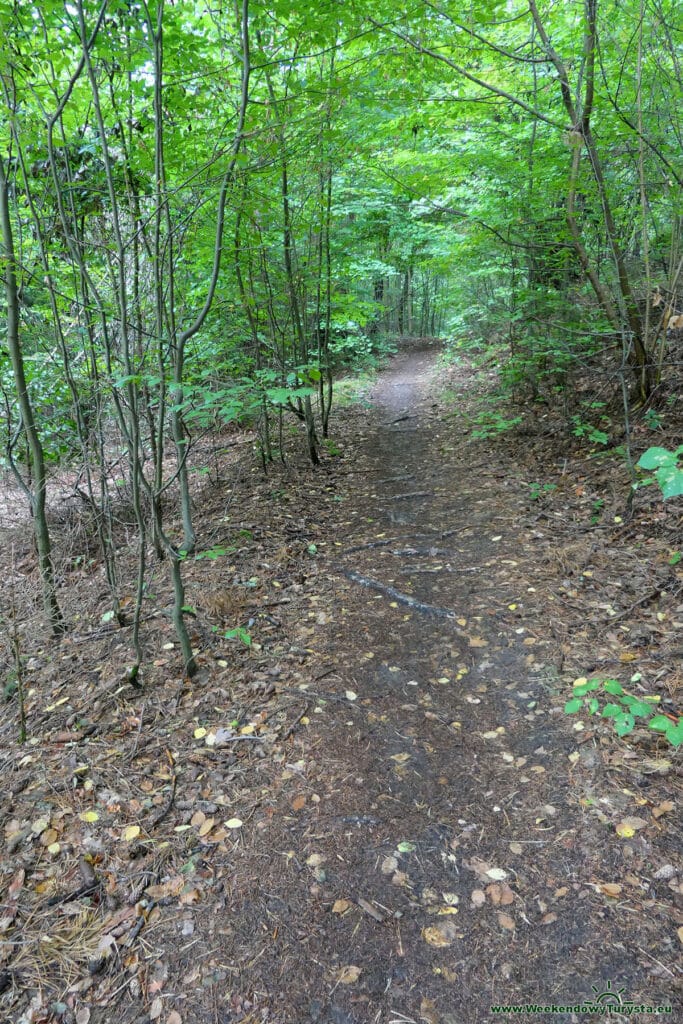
point(446, 782)
point(405, 828)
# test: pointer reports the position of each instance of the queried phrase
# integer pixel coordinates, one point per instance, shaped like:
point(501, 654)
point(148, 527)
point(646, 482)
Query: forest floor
point(378, 811)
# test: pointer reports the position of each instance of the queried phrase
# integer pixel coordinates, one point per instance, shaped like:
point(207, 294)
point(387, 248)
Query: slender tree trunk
point(35, 448)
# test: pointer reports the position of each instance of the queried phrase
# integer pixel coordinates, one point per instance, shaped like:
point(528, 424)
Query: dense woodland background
point(210, 212)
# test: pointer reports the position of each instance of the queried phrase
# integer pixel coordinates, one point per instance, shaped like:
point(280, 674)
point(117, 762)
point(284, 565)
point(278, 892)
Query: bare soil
point(379, 811)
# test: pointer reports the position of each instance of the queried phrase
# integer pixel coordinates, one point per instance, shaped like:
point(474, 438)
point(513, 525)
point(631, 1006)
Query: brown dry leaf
point(207, 826)
point(494, 893)
point(516, 848)
point(506, 895)
point(198, 819)
point(341, 906)
point(83, 1015)
point(438, 936)
point(16, 884)
point(478, 641)
point(610, 888)
point(389, 865)
point(680, 934)
point(634, 823)
point(663, 808)
point(156, 1008)
point(478, 898)
point(174, 1018)
point(428, 1012)
point(562, 891)
point(349, 975)
point(399, 878)
point(298, 802)
point(505, 921)
point(400, 758)
point(549, 918)
point(172, 887)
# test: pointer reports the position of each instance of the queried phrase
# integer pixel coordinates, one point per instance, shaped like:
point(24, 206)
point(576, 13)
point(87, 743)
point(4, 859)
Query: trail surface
point(379, 812)
point(444, 855)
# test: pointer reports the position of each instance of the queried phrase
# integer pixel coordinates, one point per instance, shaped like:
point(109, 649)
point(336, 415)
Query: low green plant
point(608, 699)
point(537, 491)
point(582, 429)
point(492, 424)
point(668, 471)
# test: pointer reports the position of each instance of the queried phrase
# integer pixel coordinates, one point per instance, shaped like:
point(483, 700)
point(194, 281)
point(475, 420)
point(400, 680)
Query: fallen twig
point(411, 602)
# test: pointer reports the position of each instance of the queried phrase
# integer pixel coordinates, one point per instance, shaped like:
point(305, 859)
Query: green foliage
point(668, 467)
point(623, 710)
point(537, 491)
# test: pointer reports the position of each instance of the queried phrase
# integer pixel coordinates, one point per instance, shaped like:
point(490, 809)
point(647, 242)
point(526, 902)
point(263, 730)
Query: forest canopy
point(209, 211)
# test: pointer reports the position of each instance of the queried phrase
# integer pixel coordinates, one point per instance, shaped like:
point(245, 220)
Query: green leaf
point(613, 687)
point(611, 710)
point(653, 458)
point(624, 724)
point(674, 733)
point(593, 705)
point(572, 706)
point(660, 722)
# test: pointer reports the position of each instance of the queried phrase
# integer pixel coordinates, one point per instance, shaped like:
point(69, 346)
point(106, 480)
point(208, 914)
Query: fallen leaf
point(497, 874)
point(341, 906)
point(389, 865)
point(478, 641)
point(405, 847)
point(349, 975)
point(400, 758)
point(298, 802)
point(610, 888)
point(516, 848)
point(436, 937)
point(207, 826)
point(157, 1006)
point(478, 897)
point(505, 921)
point(174, 1018)
point(234, 823)
point(663, 808)
point(549, 918)
point(130, 833)
point(89, 816)
point(315, 860)
point(634, 823)
point(350, 695)
point(83, 1015)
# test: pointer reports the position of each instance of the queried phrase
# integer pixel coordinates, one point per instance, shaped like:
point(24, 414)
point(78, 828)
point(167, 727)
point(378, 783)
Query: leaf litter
point(327, 807)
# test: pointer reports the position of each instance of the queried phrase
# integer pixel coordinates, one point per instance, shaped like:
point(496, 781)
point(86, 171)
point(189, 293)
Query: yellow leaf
point(200, 733)
point(625, 831)
point(54, 848)
point(436, 937)
point(349, 975)
point(478, 641)
point(341, 906)
point(234, 823)
point(132, 832)
point(400, 758)
point(581, 681)
point(89, 816)
point(627, 656)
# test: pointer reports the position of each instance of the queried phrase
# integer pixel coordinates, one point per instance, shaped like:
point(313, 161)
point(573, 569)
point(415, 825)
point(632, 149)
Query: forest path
point(378, 812)
point(427, 854)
